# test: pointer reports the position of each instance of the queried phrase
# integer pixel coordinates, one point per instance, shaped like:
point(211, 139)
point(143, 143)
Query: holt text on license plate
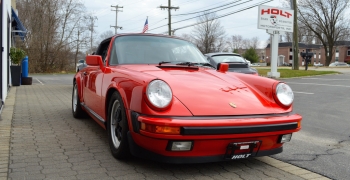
point(241, 150)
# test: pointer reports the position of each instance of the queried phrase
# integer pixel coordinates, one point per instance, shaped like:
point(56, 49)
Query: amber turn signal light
point(160, 129)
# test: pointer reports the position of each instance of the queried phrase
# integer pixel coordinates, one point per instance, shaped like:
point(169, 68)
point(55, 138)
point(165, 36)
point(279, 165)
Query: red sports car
point(158, 98)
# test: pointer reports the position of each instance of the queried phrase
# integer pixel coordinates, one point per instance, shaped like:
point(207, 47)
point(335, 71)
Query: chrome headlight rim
point(159, 94)
point(284, 94)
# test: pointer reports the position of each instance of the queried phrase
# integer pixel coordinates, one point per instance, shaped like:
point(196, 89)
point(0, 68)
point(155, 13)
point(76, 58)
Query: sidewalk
point(39, 139)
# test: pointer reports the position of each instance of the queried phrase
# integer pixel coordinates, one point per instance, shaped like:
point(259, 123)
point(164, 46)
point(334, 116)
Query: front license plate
point(242, 150)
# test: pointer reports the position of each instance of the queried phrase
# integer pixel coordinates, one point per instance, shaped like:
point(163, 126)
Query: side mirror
point(223, 67)
point(94, 60)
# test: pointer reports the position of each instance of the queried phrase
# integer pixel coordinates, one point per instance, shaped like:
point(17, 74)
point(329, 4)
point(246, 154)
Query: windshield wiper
point(206, 64)
point(163, 62)
point(186, 63)
point(195, 64)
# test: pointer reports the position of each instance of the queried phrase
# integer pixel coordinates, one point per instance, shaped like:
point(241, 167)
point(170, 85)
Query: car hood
point(208, 92)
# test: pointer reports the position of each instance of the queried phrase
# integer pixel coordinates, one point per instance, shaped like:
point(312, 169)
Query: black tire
point(117, 127)
point(77, 111)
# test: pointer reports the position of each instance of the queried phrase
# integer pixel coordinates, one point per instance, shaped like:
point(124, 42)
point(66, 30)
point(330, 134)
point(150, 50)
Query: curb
point(5, 132)
point(292, 169)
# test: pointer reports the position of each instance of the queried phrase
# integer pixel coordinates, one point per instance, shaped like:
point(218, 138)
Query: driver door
point(93, 82)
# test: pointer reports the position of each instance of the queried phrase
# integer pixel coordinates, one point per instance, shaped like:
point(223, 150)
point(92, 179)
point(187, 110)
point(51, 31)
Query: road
point(323, 144)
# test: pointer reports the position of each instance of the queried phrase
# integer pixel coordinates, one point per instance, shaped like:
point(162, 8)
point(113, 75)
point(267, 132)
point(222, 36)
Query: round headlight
point(284, 94)
point(159, 93)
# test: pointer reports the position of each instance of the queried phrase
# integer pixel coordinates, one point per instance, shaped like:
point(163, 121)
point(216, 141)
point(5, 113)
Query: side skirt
point(90, 111)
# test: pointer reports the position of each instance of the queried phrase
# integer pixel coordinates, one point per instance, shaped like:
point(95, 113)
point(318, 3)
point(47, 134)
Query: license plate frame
point(242, 150)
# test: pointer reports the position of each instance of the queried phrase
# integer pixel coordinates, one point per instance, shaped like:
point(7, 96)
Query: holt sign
point(274, 18)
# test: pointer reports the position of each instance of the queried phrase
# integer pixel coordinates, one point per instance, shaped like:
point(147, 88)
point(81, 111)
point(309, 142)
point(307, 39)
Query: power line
point(151, 11)
point(240, 26)
point(224, 15)
point(200, 15)
point(212, 12)
point(148, 23)
point(208, 9)
point(212, 4)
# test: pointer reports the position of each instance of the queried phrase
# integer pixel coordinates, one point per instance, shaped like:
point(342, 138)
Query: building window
point(348, 54)
point(290, 57)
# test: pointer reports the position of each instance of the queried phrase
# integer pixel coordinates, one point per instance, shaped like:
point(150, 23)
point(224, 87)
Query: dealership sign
point(274, 18)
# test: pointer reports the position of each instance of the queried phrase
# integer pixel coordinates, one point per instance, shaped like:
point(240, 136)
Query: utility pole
point(91, 28)
point(169, 7)
point(295, 43)
point(116, 17)
point(77, 49)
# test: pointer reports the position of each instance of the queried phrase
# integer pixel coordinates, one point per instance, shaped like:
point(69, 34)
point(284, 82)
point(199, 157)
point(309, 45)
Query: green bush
point(16, 55)
point(251, 55)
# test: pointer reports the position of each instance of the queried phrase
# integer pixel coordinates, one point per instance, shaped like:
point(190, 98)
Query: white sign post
point(275, 20)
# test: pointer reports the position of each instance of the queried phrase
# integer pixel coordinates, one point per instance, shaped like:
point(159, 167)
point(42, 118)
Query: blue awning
point(20, 30)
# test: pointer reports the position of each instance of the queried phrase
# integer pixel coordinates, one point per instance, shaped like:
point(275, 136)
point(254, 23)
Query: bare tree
point(326, 20)
point(106, 35)
point(254, 43)
point(187, 37)
point(238, 43)
point(235, 42)
point(287, 37)
point(52, 32)
point(209, 33)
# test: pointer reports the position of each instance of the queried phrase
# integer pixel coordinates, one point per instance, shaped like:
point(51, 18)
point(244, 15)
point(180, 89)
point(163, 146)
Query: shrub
point(16, 55)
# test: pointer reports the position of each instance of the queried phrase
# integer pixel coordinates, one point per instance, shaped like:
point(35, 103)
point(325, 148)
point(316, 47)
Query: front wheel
point(117, 127)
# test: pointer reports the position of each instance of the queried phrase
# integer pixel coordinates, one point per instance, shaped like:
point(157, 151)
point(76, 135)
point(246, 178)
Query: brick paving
point(46, 142)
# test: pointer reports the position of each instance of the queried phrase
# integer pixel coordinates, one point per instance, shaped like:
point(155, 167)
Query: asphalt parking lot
point(42, 140)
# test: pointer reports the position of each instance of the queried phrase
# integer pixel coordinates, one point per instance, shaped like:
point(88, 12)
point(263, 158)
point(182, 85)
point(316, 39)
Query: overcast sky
point(135, 12)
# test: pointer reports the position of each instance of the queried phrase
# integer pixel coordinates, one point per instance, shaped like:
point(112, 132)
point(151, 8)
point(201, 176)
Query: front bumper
point(210, 136)
point(140, 152)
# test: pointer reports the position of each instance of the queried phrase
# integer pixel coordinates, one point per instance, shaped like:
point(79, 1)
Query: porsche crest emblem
point(233, 105)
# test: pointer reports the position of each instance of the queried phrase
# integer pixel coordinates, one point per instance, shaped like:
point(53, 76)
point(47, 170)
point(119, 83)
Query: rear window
point(228, 58)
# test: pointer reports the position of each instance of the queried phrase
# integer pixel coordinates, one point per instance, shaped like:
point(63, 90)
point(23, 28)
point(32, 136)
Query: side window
point(113, 56)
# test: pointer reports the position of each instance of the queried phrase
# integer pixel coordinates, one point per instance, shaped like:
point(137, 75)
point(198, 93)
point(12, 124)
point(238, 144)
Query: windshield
point(228, 58)
point(153, 50)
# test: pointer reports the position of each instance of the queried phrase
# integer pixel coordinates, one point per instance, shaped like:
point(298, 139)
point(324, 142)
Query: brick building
point(285, 54)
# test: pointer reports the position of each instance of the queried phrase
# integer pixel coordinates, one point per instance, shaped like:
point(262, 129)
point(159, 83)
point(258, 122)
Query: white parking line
point(39, 81)
point(302, 92)
point(328, 79)
point(318, 84)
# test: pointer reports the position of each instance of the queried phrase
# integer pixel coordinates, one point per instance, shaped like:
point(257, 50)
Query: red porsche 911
point(159, 98)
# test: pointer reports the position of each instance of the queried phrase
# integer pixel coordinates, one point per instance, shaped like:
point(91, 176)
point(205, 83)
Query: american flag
point(145, 27)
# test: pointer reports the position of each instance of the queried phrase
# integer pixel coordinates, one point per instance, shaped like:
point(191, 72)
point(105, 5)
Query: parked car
point(159, 98)
point(318, 64)
point(236, 62)
point(339, 64)
point(80, 64)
